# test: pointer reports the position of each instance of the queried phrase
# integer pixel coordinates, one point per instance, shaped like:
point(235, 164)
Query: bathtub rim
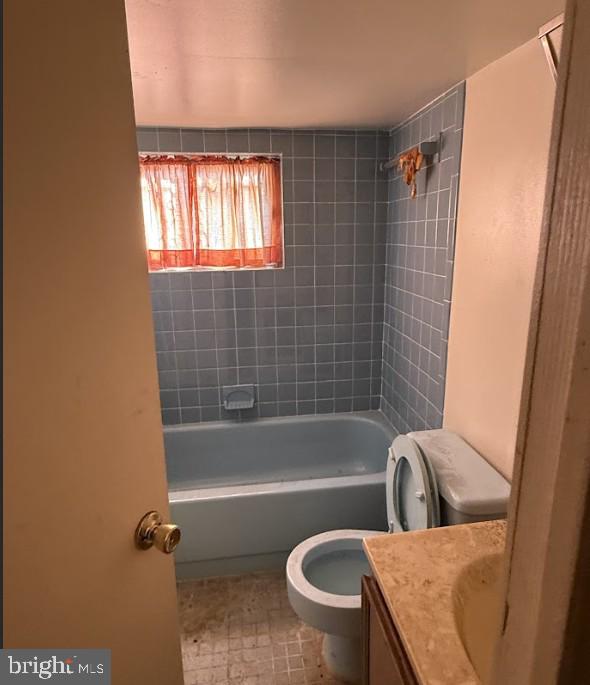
point(374, 416)
point(273, 487)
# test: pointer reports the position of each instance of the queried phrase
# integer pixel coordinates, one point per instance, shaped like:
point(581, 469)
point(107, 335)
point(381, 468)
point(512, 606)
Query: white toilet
point(432, 478)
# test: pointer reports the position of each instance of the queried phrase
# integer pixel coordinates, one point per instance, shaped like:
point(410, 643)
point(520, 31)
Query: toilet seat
point(410, 487)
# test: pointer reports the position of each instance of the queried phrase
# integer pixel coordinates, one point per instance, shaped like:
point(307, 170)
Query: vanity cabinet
point(384, 661)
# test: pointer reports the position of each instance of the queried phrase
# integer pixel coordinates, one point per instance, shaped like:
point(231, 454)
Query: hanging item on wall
point(409, 164)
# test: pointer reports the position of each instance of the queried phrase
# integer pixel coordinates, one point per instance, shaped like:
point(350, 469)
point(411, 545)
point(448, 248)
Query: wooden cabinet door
point(384, 659)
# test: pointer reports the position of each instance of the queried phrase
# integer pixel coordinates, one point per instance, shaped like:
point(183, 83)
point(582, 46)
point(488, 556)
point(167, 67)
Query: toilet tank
point(469, 488)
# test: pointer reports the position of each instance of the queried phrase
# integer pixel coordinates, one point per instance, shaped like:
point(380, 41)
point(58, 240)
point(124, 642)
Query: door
point(83, 452)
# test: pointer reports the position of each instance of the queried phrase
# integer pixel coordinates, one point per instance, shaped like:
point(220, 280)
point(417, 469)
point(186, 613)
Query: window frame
point(230, 156)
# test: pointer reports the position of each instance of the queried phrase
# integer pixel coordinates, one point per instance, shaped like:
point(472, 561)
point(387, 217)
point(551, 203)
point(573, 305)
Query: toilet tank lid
point(465, 479)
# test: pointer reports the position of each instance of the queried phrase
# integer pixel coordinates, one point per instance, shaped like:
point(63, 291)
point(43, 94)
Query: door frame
point(548, 565)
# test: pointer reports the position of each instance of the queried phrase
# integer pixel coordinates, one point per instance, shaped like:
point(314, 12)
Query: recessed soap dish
point(237, 397)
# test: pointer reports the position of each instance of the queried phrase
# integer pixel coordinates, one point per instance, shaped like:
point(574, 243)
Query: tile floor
point(241, 630)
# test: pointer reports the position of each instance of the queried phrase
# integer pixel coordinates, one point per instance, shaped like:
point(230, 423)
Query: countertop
point(416, 572)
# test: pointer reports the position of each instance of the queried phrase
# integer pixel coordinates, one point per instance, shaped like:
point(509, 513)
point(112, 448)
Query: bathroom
point(324, 328)
point(346, 343)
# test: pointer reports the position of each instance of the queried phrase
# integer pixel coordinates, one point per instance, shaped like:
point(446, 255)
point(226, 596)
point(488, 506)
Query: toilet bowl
point(324, 584)
point(432, 478)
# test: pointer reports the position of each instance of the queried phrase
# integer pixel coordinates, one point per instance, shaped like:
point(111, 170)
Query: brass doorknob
point(152, 532)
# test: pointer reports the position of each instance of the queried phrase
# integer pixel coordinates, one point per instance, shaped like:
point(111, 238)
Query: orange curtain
point(213, 212)
point(168, 212)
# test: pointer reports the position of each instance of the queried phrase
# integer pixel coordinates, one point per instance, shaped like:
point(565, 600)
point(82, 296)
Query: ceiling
point(313, 63)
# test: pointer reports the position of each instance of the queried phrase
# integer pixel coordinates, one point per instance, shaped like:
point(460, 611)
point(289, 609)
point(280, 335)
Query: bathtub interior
point(275, 450)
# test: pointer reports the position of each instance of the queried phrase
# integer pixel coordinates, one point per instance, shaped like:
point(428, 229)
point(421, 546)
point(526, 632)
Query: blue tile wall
point(420, 243)
point(308, 336)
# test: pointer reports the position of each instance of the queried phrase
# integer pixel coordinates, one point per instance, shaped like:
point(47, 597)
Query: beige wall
point(83, 450)
point(508, 115)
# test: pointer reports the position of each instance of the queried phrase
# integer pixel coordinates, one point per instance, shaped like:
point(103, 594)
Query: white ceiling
point(313, 63)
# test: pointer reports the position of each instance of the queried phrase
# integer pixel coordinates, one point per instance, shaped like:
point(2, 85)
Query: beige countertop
point(416, 572)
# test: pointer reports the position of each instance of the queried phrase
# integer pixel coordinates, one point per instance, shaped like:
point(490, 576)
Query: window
point(212, 211)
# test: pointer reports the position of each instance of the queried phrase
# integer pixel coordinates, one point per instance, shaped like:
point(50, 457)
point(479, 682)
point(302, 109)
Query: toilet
point(433, 478)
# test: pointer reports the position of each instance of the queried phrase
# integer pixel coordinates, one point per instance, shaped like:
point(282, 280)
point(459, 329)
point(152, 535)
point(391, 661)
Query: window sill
point(200, 269)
